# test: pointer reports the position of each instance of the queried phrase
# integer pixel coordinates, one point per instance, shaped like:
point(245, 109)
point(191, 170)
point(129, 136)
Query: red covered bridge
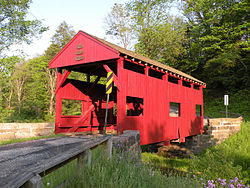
point(161, 102)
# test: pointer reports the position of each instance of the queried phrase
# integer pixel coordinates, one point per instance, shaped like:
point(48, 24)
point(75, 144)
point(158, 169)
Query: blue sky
point(86, 15)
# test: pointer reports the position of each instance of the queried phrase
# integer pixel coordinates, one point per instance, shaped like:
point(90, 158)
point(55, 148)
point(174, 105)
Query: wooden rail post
point(81, 159)
point(107, 146)
point(35, 182)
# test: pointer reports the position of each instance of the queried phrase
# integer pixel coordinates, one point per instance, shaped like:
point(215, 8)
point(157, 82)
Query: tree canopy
point(218, 48)
point(15, 28)
point(154, 32)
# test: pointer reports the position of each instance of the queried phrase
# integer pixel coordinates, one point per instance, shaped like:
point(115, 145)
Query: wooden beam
point(94, 69)
point(34, 182)
point(64, 77)
point(95, 82)
point(116, 81)
point(85, 115)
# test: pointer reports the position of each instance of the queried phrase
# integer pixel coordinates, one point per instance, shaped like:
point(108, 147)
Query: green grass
point(12, 141)
point(228, 160)
point(176, 164)
point(115, 172)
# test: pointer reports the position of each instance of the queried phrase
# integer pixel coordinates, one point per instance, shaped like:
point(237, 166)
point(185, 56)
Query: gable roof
point(148, 60)
point(124, 52)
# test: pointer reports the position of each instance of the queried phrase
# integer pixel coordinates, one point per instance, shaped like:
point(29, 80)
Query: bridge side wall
point(25, 130)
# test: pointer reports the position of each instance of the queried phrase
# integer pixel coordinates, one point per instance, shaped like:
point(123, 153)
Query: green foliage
point(14, 27)
point(218, 50)
point(157, 34)
point(7, 86)
point(71, 107)
point(163, 42)
point(28, 87)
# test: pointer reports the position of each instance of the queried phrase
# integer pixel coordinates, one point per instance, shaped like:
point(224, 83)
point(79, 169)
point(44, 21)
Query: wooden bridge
point(23, 164)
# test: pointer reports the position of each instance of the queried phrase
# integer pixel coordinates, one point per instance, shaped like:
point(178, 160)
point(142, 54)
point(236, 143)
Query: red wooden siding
point(92, 51)
point(155, 125)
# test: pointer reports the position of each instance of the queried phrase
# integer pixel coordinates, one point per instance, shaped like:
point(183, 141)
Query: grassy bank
point(115, 172)
point(225, 161)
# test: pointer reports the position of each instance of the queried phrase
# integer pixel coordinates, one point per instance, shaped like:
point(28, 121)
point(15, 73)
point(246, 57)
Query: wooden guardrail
point(23, 164)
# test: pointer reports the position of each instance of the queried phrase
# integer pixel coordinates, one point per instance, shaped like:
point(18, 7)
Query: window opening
point(155, 74)
point(196, 87)
point(198, 110)
point(115, 110)
point(71, 107)
point(134, 67)
point(102, 81)
point(173, 79)
point(134, 106)
point(77, 76)
point(186, 84)
point(174, 109)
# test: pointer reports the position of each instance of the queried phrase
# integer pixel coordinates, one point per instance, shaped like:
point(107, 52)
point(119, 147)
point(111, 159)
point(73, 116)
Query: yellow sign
point(109, 83)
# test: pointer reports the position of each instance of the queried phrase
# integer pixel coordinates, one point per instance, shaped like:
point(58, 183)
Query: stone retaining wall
point(223, 128)
point(219, 129)
point(25, 130)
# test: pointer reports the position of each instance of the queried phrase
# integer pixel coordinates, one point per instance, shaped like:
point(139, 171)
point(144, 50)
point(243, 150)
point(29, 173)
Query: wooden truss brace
point(64, 77)
point(93, 85)
point(85, 115)
point(91, 107)
point(114, 76)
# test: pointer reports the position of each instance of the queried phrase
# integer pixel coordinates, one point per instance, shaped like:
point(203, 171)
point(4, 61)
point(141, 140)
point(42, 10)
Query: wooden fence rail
point(24, 164)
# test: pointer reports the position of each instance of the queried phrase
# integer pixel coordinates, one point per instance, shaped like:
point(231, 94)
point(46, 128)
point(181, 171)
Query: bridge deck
point(20, 162)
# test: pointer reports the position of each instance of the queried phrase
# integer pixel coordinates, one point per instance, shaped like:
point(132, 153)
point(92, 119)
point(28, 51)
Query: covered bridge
point(161, 102)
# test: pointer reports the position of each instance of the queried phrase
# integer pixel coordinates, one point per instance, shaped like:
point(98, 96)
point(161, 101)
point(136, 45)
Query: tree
point(164, 42)
point(118, 24)
point(158, 35)
point(14, 27)
point(62, 36)
point(219, 42)
point(147, 15)
point(37, 87)
point(7, 67)
point(19, 78)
